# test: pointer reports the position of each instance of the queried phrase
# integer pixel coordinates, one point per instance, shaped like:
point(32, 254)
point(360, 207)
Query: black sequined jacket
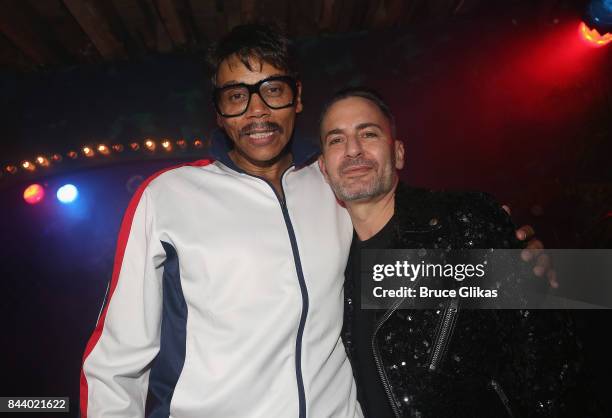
point(467, 363)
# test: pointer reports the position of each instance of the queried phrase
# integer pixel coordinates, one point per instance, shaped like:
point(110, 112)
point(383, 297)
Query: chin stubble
point(375, 187)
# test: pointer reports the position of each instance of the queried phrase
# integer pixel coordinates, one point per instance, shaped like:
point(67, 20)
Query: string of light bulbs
point(148, 145)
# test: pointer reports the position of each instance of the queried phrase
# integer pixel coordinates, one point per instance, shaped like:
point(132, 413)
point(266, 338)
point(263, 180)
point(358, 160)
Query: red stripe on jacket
point(124, 233)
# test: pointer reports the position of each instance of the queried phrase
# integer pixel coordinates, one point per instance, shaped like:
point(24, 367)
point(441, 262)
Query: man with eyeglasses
point(226, 298)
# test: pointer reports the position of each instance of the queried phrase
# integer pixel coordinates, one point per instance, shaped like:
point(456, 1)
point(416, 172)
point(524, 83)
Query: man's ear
point(399, 154)
point(323, 168)
point(298, 100)
point(219, 120)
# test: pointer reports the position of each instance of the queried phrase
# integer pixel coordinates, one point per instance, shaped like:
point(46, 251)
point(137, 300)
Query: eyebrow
point(229, 83)
point(368, 125)
point(232, 82)
point(358, 127)
point(334, 132)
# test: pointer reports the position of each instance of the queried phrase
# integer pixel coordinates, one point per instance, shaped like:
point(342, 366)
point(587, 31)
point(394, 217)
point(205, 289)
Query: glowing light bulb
point(67, 193)
point(150, 145)
point(167, 145)
point(33, 194)
point(103, 149)
point(42, 161)
point(88, 152)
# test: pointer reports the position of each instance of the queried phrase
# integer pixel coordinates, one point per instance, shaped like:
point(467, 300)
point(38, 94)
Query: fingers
point(507, 209)
point(542, 265)
point(525, 232)
point(532, 251)
point(552, 278)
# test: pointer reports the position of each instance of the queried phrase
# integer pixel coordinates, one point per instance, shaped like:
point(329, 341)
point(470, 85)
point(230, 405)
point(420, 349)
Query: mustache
point(260, 126)
point(353, 162)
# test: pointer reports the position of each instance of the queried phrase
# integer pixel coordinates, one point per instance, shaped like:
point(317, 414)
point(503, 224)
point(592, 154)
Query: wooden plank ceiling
point(40, 34)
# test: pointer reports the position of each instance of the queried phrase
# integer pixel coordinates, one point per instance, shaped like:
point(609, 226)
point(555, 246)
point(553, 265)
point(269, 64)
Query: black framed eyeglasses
point(276, 92)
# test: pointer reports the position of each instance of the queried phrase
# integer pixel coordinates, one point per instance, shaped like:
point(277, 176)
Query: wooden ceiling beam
point(232, 9)
point(343, 14)
point(93, 23)
point(248, 11)
point(12, 58)
point(413, 11)
point(185, 14)
point(208, 18)
point(327, 18)
point(172, 21)
point(465, 6)
point(442, 9)
point(384, 13)
point(163, 41)
point(136, 23)
point(303, 17)
point(22, 27)
point(66, 31)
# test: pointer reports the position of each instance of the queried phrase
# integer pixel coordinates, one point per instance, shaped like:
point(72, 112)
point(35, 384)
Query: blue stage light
point(67, 193)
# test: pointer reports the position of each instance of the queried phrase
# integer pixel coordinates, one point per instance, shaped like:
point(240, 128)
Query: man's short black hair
point(365, 93)
point(264, 42)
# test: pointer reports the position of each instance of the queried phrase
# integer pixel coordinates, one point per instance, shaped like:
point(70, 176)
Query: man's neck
point(271, 171)
point(370, 216)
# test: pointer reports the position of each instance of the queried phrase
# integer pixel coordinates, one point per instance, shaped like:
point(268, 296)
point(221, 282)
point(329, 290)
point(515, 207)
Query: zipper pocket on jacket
point(446, 329)
point(502, 396)
point(376, 352)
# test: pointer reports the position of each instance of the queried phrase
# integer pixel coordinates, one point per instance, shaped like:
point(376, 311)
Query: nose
point(353, 147)
point(257, 108)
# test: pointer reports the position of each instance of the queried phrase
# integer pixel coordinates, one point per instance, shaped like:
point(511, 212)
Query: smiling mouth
point(356, 170)
point(260, 135)
point(261, 138)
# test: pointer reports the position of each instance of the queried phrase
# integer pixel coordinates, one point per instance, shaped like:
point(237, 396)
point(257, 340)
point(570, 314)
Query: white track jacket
point(224, 301)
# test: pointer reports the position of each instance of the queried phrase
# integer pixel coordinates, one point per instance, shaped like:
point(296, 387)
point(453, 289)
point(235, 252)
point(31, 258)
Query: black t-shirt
point(372, 396)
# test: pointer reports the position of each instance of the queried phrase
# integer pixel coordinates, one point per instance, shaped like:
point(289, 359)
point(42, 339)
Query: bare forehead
point(232, 69)
point(352, 112)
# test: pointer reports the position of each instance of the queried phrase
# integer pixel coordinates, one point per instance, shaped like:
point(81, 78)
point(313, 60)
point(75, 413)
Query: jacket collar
point(302, 150)
point(416, 209)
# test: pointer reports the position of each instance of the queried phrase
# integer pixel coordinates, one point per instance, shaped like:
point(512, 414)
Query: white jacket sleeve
point(118, 356)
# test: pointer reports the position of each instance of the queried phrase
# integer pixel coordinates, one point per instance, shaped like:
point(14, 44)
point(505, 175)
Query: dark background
point(509, 101)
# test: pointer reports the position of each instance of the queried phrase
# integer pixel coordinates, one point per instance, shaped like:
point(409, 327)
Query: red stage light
point(33, 194)
point(593, 37)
